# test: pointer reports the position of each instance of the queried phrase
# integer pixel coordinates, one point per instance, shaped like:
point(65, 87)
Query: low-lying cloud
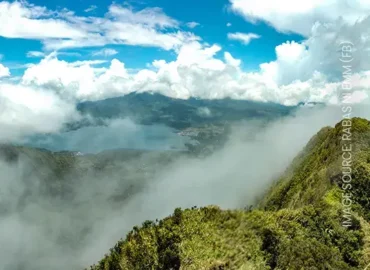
point(27, 110)
point(41, 231)
point(112, 134)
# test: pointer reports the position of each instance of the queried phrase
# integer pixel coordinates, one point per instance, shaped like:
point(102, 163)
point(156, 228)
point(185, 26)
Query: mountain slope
point(57, 172)
point(151, 108)
point(316, 173)
point(297, 225)
point(51, 203)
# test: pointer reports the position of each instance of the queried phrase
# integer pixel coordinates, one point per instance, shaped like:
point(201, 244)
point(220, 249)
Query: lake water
point(117, 134)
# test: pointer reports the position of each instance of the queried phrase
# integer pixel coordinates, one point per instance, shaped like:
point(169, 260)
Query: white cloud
point(105, 52)
point(43, 99)
point(64, 29)
point(22, 20)
point(86, 62)
point(36, 54)
point(308, 71)
point(192, 24)
point(321, 52)
point(197, 72)
point(242, 37)
point(148, 27)
point(91, 8)
point(231, 60)
point(228, 24)
point(298, 16)
point(4, 71)
point(25, 110)
point(69, 80)
point(150, 17)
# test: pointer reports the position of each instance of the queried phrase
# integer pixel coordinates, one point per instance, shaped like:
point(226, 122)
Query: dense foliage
point(297, 225)
point(209, 238)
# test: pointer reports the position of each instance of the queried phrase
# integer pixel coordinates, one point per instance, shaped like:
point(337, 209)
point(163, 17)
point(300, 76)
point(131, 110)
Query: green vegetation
point(59, 173)
point(297, 225)
point(152, 108)
point(209, 238)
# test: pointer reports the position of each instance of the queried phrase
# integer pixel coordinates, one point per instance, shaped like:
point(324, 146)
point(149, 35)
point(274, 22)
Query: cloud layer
point(302, 72)
point(26, 110)
point(72, 236)
point(60, 29)
point(300, 17)
point(4, 71)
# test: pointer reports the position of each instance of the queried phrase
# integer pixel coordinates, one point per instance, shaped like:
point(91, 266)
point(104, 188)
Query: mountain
point(153, 108)
point(57, 173)
point(203, 125)
point(152, 121)
point(51, 203)
point(309, 219)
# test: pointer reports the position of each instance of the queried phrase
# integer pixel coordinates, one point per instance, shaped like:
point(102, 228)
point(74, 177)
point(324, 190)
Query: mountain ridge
point(297, 225)
point(153, 108)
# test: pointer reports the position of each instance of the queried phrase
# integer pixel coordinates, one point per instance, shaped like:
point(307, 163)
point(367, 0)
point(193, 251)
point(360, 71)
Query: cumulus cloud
point(321, 53)
point(4, 71)
point(181, 78)
point(300, 17)
point(76, 80)
point(25, 111)
point(199, 71)
point(64, 29)
point(307, 71)
point(243, 37)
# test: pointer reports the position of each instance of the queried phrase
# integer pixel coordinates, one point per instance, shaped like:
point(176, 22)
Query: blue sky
point(283, 51)
point(212, 16)
point(55, 54)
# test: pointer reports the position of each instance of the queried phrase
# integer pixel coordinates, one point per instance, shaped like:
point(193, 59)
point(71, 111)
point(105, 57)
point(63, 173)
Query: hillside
point(156, 122)
point(60, 175)
point(299, 224)
point(151, 108)
point(64, 167)
point(51, 203)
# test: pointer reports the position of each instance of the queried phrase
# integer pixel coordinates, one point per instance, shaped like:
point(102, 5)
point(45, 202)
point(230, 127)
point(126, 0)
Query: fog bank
point(40, 231)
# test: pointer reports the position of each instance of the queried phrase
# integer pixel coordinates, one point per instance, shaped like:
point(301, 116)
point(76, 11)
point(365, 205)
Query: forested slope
point(297, 225)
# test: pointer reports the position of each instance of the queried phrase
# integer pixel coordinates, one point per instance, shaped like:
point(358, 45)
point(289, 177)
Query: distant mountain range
point(152, 108)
